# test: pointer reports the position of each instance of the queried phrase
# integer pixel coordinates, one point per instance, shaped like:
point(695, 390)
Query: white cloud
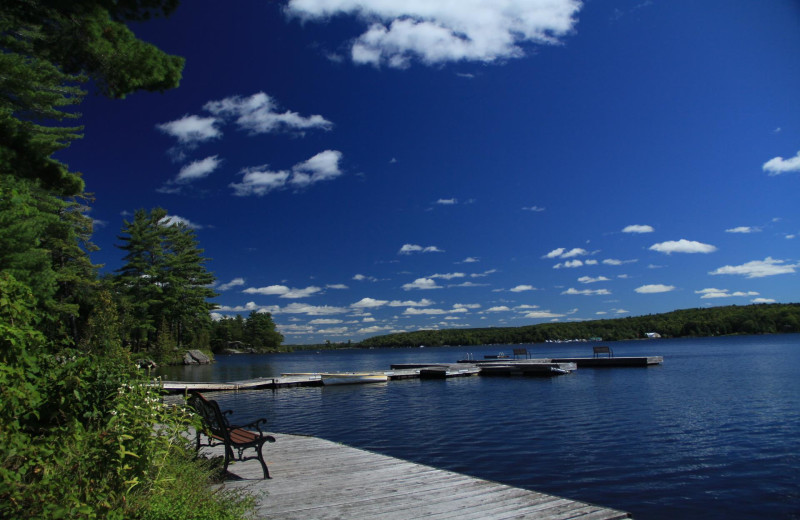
point(283, 291)
point(758, 268)
point(407, 249)
point(570, 264)
point(260, 180)
point(576, 251)
point(589, 279)
point(469, 284)
point(654, 288)
point(259, 114)
point(368, 303)
point(587, 292)
point(563, 253)
point(436, 32)
point(410, 303)
point(198, 169)
point(412, 311)
point(682, 246)
point(744, 229)
point(236, 282)
point(448, 276)
point(638, 228)
point(174, 220)
point(312, 310)
point(466, 305)
point(521, 288)
point(362, 278)
point(325, 321)
point(340, 286)
point(249, 306)
point(779, 165)
point(723, 293)
point(191, 129)
point(322, 167)
point(447, 202)
point(421, 283)
point(536, 209)
point(483, 274)
point(372, 330)
point(333, 331)
point(555, 253)
point(543, 314)
point(470, 260)
point(499, 308)
point(762, 300)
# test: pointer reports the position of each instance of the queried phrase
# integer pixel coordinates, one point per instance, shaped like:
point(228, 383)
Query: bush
point(83, 435)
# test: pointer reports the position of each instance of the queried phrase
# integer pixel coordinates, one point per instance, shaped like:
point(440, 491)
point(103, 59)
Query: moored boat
point(350, 378)
point(499, 355)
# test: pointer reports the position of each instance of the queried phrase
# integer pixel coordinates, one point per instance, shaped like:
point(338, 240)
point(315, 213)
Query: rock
point(195, 357)
point(145, 363)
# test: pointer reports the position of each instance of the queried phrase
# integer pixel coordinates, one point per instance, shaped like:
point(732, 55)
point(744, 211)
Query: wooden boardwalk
point(317, 479)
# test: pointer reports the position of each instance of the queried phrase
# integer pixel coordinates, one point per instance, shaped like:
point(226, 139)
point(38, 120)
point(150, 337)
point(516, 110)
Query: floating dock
point(463, 368)
point(315, 478)
point(612, 362)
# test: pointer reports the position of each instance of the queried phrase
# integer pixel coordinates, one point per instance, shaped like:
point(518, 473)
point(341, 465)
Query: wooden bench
point(220, 432)
point(522, 352)
point(603, 350)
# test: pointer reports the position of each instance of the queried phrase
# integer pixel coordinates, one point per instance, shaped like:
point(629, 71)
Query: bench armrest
point(253, 425)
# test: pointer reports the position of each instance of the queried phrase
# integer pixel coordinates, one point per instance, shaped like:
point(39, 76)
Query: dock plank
point(315, 478)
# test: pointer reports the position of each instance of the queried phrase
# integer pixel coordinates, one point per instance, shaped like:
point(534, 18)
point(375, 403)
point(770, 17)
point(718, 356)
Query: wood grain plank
point(320, 479)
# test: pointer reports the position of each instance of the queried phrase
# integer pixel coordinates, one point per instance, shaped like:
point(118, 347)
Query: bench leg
point(228, 457)
point(261, 460)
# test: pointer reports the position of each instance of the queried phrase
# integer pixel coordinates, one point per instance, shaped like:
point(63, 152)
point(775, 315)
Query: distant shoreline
point(730, 320)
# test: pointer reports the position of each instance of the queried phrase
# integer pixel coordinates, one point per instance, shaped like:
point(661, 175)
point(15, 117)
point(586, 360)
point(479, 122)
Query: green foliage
point(97, 442)
point(750, 319)
point(183, 493)
point(82, 435)
point(163, 278)
point(257, 332)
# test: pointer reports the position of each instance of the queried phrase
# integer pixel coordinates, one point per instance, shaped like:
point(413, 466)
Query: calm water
point(712, 433)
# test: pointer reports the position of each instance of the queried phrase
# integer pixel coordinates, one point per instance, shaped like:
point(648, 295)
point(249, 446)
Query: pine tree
point(186, 283)
point(139, 279)
point(164, 278)
point(260, 331)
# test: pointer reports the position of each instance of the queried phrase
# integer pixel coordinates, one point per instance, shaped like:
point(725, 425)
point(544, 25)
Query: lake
point(713, 433)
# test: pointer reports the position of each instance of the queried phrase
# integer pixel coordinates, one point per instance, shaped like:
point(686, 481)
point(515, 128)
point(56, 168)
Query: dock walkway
point(317, 479)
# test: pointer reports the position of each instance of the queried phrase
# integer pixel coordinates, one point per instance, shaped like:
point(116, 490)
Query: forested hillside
point(716, 321)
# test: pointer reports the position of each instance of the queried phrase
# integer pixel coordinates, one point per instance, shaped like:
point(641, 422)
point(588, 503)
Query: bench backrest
point(212, 416)
point(520, 352)
point(602, 350)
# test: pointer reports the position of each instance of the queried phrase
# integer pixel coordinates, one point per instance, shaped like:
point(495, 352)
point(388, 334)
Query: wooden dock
point(507, 367)
point(315, 478)
point(613, 362)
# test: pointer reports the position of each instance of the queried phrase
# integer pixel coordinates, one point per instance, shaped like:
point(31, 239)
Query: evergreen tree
point(138, 280)
point(164, 278)
point(186, 284)
point(260, 331)
point(48, 48)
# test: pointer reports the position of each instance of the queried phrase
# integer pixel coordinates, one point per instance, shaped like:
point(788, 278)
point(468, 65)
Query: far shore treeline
point(716, 321)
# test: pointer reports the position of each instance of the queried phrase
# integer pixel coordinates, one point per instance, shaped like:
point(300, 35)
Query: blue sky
point(364, 167)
